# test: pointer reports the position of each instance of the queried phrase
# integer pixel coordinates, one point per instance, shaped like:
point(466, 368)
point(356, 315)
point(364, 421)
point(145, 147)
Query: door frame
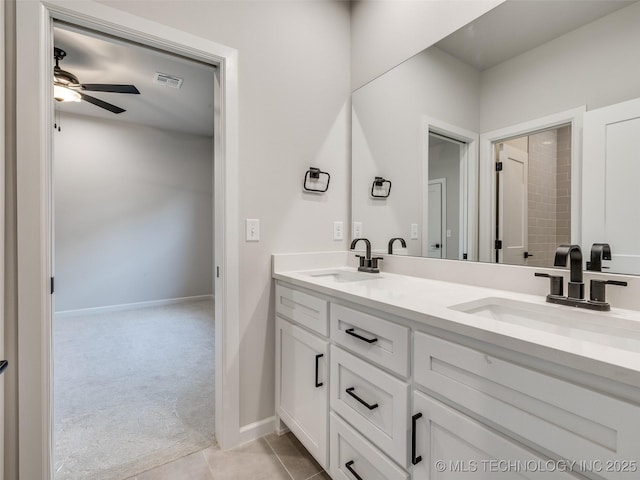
point(468, 186)
point(487, 189)
point(34, 124)
point(2, 233)
point(443, 216)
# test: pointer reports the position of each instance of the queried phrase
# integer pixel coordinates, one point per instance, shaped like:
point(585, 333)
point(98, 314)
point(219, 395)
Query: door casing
point(34, 124)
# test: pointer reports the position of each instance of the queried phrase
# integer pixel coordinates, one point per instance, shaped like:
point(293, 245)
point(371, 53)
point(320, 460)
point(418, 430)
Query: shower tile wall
point(549, 191)
point(542, 204)
point(563, 184)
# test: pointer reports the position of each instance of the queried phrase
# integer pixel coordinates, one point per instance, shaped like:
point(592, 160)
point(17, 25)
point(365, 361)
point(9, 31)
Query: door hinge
point(464, 256)
point(498, 166)
point(498, 245)
point(217, 272)
point(52, 285)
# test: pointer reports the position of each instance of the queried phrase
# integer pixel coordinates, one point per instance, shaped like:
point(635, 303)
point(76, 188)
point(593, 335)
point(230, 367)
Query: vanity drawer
point(305, 309)
point(350, 451)
point(376, 339)
point(374, 402)
point(569, 420)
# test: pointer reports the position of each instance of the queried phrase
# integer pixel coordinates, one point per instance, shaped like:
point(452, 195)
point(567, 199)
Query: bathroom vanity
point(391, 376)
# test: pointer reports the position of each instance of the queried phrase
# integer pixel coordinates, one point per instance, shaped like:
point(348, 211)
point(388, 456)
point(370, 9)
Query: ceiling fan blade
point(99, 103)
point(108, 87)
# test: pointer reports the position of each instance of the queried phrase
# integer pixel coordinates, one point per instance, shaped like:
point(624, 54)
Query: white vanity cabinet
point(302, 385)
point(402, 400)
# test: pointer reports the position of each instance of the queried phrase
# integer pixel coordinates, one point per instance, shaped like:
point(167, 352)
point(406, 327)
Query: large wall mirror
point(513, 135)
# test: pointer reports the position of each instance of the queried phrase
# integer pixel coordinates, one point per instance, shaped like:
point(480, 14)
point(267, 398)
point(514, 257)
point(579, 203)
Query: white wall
point(385, 33)
point(388, 138)
point(595, 65)
point(133, 213)
point(294, 62)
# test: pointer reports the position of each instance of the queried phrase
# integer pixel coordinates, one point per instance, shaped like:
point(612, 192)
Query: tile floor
point(269, 458)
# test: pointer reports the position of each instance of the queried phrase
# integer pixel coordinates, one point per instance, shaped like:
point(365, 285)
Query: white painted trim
point(2, 230)
point(257, 429)
point(470, 139)
point(34, 140)
point(487, 191)
point(131, 306)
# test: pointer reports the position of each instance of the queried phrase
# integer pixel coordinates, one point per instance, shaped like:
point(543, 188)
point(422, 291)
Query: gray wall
point(385, 33)
point(133, 213)
point(294, 61)
point(595, 65)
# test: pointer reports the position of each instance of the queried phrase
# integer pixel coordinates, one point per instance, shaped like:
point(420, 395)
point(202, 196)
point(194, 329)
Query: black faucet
point(402, 242)
point(599, 252)
point(367, 264)
point(576, 285)
point(575, 297)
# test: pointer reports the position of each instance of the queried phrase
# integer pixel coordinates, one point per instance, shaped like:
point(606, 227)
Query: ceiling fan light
point(64, 94)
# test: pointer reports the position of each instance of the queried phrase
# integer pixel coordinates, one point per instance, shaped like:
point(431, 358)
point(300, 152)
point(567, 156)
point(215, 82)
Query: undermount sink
point(343, 276)
point(604, 329)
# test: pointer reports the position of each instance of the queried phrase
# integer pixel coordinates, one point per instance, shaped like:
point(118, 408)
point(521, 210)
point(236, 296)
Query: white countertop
point(426, 301)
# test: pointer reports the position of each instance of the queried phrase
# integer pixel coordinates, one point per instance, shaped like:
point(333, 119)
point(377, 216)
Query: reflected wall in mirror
point(437, 124)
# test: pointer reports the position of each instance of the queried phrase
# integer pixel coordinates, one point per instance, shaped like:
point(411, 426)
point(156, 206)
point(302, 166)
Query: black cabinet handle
point(353, 472)
point(319, 356)
point(370, 407)
point(414, 460)
point(3, 365)
point(351, 331)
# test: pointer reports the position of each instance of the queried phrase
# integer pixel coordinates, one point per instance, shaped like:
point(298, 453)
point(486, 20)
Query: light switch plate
point(414, 231)
point(338, 231)
point(357, 230)
point(253, 229)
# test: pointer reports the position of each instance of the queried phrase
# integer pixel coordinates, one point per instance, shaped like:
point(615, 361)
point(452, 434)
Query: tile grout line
point(316, 474)
point(208, 464)
point(278, 457)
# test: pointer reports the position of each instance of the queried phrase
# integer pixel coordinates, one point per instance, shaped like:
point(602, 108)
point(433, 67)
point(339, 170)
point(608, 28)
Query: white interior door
point(512, 201)
point(610, 195)
point(437, 218)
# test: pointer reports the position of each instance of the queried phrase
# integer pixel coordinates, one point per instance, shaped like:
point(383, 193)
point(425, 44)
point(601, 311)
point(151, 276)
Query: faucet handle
point(556, 286)
point(597, 289)
point(374, 261)
point(362, 259)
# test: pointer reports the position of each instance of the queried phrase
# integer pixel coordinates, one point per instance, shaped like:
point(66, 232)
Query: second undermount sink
point(343, 276)
point(604, 329)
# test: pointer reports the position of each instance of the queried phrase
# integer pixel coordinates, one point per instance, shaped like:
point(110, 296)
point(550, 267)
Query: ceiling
point(506, 32)
point(99, 59)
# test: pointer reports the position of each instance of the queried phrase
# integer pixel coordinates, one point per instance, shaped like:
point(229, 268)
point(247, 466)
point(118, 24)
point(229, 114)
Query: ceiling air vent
point(168, 80)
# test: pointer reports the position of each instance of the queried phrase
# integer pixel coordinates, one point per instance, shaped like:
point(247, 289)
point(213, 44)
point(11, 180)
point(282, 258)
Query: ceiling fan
point(67, 87)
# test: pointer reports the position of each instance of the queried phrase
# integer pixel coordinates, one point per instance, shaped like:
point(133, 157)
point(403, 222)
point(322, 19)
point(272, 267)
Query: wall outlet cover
point(338, 231)
point(357, 230)
point(414, 231)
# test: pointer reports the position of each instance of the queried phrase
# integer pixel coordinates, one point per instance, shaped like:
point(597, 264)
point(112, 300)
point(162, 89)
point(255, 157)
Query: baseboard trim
point(131, 306)
point(255, 430)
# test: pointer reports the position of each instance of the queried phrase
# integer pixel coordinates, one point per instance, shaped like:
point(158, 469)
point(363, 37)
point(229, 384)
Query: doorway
point(34, 230)
point(533, 196)
point(133, 317)
point(447, 198)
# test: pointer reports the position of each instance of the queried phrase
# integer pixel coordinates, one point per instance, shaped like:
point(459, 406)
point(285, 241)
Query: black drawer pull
point(415, 460)
point(350, 331)
point(350, 392)
point(3, 365)
point(318, 357)
point(353, 472)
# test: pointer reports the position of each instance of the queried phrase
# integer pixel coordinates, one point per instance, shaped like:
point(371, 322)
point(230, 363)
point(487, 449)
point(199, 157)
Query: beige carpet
point(132, 389)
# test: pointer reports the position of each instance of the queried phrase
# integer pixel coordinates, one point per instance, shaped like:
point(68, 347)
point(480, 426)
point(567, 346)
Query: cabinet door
point(449, 445)
point(302, 386)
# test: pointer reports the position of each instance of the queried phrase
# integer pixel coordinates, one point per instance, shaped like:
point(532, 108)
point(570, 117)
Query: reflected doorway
point(446, 203)
point(533, 196)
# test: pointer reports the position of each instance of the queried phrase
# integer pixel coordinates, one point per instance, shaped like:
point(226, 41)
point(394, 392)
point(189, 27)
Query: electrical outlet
point(253, 230)
point(448, 233)
point(414, 231)
point(357, 230)
point(338, 231)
